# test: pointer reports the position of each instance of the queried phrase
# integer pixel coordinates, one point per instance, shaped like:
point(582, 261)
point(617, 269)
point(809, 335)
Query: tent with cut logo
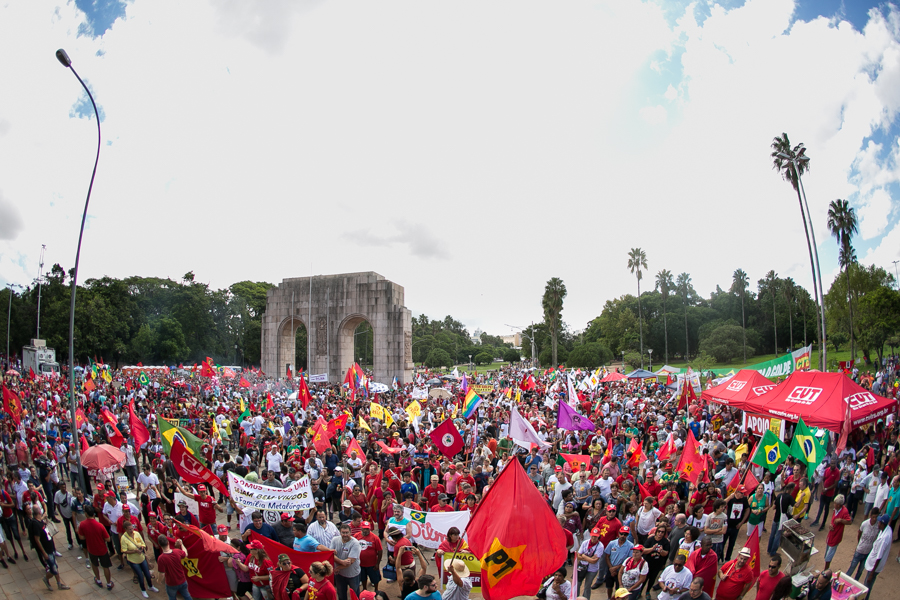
point(829, 401)
point(738, 390)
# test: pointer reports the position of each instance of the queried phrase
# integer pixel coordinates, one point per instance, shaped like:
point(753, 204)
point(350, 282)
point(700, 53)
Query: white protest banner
point(429, 529)
point(298, 496)
point(320, 378)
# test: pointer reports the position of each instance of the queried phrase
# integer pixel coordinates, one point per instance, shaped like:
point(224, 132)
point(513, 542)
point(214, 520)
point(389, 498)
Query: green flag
point(143, 379)
point(169, 432)
point(806, 447)
point(770, 452)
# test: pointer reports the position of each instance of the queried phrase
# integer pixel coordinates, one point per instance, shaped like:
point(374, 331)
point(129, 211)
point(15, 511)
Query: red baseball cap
point(595, 531)
point(126, 507)
point(222, 528)
point(624, 529)
point(286, 517)
point(201, 488)
point(366, 525)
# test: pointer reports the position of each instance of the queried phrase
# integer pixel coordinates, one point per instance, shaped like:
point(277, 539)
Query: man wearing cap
point(615, 554)
point(206, 505)
point(184, 516)
point(591, 553)
point(432, 492)
point(285, 529)
point(878, 557)
point(442, 506)
point(346, 562)
point(371, 551)
point(735, 577)
point(633, 572)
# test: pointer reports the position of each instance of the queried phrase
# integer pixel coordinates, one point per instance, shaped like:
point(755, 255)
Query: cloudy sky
point(467, 150)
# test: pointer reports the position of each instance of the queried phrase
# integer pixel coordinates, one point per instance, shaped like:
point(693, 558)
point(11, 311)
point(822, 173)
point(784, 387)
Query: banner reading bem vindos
point(298, 496)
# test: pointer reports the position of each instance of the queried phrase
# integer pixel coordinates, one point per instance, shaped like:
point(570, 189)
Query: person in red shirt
point(653, 486)
point(155, 528)
point(402, 558)
point(319, 586)
point(126, 514)
point(840, 516)
point(431, 492)
point(206, 506)
point(669, 496)
point(702, 562)
point(169, 564)
point(768, 579)
point(829, 485)
point(442, 506)
point(608, 525)
point(370, 555)
point(96, 537)
point(735, 577)
point(258, 564)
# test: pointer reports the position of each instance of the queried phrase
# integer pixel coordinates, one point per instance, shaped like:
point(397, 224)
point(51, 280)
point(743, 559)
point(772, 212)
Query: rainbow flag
point(470, 404)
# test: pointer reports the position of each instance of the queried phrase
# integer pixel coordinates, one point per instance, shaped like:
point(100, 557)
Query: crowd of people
point(633, 525)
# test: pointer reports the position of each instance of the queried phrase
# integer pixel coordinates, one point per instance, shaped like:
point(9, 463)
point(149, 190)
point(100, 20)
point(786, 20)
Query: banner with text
point(758, 424)
point(429, 529)
point(298, 496)
point(320, 378)
point(798, 360)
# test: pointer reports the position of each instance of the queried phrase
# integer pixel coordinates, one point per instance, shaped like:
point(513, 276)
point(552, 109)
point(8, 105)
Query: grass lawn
point(480, 368)
point(833, 359)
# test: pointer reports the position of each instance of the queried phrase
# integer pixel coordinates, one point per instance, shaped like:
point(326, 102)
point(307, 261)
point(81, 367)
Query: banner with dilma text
point(429, 529)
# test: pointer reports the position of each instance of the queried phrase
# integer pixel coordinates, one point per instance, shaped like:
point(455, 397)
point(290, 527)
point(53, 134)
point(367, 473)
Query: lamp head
point(63, 58)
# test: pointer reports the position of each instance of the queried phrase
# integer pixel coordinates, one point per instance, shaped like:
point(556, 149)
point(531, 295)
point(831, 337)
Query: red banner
point(191, 469)
point(298, 559)
point(206, 575)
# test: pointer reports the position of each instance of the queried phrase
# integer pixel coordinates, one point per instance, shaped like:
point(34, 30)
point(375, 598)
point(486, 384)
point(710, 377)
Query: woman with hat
point(258, 565)
point(288, 582)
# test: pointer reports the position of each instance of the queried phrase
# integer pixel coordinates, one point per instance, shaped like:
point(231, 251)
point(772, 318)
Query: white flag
point(522, 432)
point(573, 397)
point(455, 372)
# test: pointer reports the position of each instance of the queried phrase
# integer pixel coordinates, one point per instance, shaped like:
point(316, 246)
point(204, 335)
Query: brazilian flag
point(770, 452)
point(143, 379)
point(169, 432)
point(807, 447)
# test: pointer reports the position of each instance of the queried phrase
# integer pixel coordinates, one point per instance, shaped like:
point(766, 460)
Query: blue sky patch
point(101, 14)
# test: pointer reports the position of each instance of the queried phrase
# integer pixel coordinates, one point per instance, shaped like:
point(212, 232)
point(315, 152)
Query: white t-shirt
point(273, 461)
point(147, 480)
point(356, 464)
point(646, 519)
point(672, 579)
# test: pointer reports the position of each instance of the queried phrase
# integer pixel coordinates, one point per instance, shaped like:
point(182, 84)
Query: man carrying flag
point(736, 577)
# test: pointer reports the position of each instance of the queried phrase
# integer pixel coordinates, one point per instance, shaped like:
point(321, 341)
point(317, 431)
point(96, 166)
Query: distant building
point(514, 339)
point(476, 337)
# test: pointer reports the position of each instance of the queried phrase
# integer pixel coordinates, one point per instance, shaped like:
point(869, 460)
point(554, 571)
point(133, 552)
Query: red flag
point(578, 462)
point(207, 371)
point(80, 418)
point(115, 438)
point(243, 382)
point(637, 454)
point(31, 372)
point(206, 575)
point(84, 444)
point(128, 384)
point(516, 535)
point(303, 393)
point(645, 493)
point(269, 403)
point(753, 544)
point(691, 464)
point(138, 430)
point(387, 448)
point(298, 559)
point(88, 385)
point(354, 445)
point(320, 439)
point(289, 374)
point(668, 449)
point(733, 484)
point(191, 469)
point(750, 482)
point(337, 424)
point(447, 439)
point(108, 416)
point(140, 364)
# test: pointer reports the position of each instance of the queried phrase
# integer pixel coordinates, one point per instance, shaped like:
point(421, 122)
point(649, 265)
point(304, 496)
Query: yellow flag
point(376, 411)
point(215, 430)
point(414, 409)
point(509, 393)
point(106, 376)
point(518, 395)
point(364, 425)
point(453, 416)
point(388, 419)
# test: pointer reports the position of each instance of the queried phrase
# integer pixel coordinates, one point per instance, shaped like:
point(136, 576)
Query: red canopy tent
point(824, 400)
point(613, 377)
point(737, 391)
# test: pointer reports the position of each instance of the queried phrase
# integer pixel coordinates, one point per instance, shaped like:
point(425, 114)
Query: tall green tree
point(552, 302)
point(637, 259)
point(685, 287)
point(791, 163)
point(665, 284)
point(739, 283)
point(843, 224)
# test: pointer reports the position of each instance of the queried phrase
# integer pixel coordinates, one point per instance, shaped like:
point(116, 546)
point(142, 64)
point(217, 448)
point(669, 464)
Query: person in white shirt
point(870, 489)
point(148, 482)
point(675, 579)
point(881, 495)
point(881, 550)
point(274, 459)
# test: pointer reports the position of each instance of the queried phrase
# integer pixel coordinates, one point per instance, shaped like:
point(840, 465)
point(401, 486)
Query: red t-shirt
point(259, 570)
point(207, 509)
point(609, 529)
point(169, 563)
point(94, 535)
point(837, 531)
point(406, 558)
point(767, 584)
point(439, 508)
point(730, 588)
point(370, 548)
point(829, 481)
point(430, 494)
point(321, 590)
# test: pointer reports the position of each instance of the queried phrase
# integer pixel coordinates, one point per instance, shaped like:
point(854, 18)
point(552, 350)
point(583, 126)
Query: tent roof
point(641, 374)
point(666, 370)
point(822, 400)
point(743, 386)
point(614, 376)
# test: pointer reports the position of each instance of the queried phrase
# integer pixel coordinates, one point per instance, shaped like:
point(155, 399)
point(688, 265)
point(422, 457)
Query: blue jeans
point(774, 542)
point(142, 572)
point(341, 584)
point(858, 559)
point(182, 589)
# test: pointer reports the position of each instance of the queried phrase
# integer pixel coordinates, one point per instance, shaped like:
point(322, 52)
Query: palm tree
point(685, 288)
point(791, 162)
point(739, 282)
point(787, 289)
point(554, 294)
point(843, 224)
point(772, 277)
point(665, 283)
point(637, 259)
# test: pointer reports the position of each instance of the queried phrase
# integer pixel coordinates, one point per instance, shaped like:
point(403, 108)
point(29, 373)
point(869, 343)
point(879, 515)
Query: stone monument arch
point(331, 307)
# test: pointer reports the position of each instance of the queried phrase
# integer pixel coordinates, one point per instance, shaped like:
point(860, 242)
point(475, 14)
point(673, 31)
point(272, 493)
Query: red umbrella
point(102, 458)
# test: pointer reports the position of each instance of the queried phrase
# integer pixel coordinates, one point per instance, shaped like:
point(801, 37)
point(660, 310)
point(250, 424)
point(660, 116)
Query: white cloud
point(510, 138)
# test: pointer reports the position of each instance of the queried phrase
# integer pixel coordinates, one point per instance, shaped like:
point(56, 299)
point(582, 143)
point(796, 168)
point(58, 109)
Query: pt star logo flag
point(501, 561)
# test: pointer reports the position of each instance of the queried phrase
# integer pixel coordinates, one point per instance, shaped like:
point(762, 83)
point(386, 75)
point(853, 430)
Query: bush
point(724, 343)
point(589, 356)
point(512, 356)
point(546, 355)
point(438, 358)
point(484, 358)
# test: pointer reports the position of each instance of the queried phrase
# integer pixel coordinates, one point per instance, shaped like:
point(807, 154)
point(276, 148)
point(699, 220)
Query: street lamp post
point(64, 59)
point(650, 352)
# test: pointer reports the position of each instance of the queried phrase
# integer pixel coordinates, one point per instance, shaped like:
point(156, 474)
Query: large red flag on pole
point(516, 536)
point(192, 470)
point(691, 464)
point(303, 393)
point(138, 430)
point(12, 405)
